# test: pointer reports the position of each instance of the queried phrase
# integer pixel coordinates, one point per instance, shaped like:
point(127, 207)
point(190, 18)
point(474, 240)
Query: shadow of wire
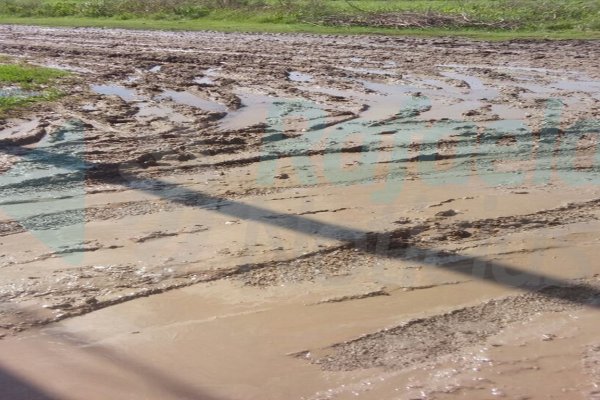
point(15, 388)
point(370, 242)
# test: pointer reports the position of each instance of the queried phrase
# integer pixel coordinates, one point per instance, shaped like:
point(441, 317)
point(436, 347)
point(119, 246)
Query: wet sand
point(254, 216)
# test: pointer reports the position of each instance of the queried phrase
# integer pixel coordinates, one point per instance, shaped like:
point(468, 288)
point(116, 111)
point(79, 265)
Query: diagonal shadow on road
point(370, 242)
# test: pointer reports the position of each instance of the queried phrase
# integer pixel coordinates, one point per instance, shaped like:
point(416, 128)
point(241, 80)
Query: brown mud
point(269, 216)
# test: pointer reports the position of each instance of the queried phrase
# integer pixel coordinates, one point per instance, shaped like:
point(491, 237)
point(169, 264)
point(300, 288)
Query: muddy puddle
point(154, 107)
point(116, 90)
point(190, 99)
point(255, 109)
point(297, 76)
point(205, 81)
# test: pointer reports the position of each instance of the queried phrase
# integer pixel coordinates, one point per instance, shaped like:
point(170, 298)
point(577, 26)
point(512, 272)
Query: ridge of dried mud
point(423, 340)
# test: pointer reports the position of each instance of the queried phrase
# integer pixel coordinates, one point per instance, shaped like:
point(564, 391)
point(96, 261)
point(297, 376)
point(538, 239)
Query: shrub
point(58, 9)
point(97, 8)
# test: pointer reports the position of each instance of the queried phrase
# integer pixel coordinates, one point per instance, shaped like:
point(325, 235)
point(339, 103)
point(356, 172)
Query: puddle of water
point(388, 101)
point(214, 72)
point(146, 109)
point(192, 100)
point(88, 107)
point(447, 102)
point(116, 90)
point(255, 110)
point(452, 112)
point(578, 86)
point(579, 83)
point(207, 79)
point(505, 111)
point(435, 87)
point(297, 76)
point(204, 80)
point(478, 89)
point(387, 89)
point(502, 67)
point(535, 89)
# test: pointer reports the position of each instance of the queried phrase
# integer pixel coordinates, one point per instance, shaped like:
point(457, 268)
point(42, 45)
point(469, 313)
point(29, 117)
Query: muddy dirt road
point(252, 216)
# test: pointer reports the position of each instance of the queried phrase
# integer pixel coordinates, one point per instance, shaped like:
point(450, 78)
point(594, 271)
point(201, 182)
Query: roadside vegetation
point(554, 18)
point(22, 84)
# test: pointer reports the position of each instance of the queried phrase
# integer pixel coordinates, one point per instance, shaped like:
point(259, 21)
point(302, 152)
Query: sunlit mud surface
point(253, 216)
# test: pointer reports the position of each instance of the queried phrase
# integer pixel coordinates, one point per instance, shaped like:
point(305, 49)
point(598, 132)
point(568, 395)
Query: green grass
point(35, 82)
point(253, 25)
point(28, 76)
point(556, 19)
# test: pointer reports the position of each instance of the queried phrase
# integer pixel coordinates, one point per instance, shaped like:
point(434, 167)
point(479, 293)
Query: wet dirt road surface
point(260, 216)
